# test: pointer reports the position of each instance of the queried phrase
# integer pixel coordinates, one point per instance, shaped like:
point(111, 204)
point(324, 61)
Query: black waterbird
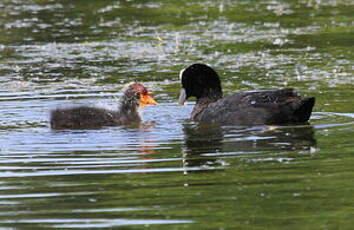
point(283, 106)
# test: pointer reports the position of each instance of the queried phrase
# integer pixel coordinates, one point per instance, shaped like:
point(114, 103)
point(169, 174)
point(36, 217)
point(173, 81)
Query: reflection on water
point(204, 142)
point(55, 53)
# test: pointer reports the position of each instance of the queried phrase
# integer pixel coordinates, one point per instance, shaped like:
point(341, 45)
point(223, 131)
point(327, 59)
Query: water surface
point(169, 172)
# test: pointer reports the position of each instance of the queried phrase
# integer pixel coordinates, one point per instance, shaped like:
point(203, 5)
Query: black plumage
point(283, 106)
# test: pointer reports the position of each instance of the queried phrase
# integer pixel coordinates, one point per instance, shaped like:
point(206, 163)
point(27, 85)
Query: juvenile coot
point(135, 95)
point(283, 106)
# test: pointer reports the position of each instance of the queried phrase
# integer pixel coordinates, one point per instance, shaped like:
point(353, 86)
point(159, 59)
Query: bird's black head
point(200, 81)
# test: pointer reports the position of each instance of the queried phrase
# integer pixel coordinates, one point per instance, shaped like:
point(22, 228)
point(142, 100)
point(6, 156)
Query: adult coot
point(135, 95)
point(282, 106)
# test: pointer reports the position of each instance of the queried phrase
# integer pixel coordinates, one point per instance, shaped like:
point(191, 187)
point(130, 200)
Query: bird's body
point(90, 117)
point(254, 108)
point(283, 106)
point(134, 95)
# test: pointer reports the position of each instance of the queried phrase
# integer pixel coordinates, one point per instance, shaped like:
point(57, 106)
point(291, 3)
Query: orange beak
point(146, 99)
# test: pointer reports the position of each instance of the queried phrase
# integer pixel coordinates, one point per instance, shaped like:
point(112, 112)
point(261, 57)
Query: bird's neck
point(203, 102)
point(128, 104)
point(209, 96)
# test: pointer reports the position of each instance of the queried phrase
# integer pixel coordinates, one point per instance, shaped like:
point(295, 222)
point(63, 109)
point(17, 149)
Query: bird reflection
point(204, 143)
point(147, 146)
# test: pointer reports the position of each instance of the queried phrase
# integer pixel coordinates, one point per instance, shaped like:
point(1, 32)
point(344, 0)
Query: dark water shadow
point(204, 143)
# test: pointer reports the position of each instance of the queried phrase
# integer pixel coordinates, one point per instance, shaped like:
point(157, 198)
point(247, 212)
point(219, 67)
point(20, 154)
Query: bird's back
point(89, 117)
point(261, 107)
point(80, 117)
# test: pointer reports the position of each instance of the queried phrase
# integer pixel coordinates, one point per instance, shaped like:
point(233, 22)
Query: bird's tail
point(303, 112)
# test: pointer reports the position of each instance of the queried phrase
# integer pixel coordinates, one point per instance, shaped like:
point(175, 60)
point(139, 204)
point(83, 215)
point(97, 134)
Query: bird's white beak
point(182, 97)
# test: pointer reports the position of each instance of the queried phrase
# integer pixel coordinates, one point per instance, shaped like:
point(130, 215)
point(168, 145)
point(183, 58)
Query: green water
point(170, 173)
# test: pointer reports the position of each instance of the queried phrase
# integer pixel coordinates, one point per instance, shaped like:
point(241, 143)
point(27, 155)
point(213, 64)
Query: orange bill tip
point(146, 99)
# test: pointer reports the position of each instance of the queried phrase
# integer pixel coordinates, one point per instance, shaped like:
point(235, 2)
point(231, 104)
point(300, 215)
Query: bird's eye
point(145, 92)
